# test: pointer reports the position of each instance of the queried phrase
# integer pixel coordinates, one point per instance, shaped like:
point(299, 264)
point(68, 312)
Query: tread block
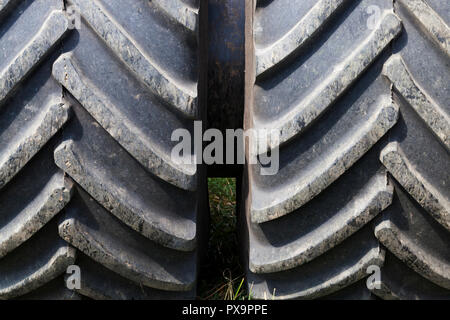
point(429, 69)
point(6, 6)
point(418, 186)
point(122, 186)
point(180, 12)
point(334, 119)
point(54, 290)
point(29, 120)
point(356, 291)
point(100, 283)
point(322, 173)
point(308, 165)
point(16, 153)
point(302, 113)
point(340, 267)
point(120, 127)
point(430, 21)
point(417, 264)
point(98, 234)
point(424, 177)
point(269, 55)
point(398, 282)
point(180, 95)
point(416, 238)
point(38, 261)
point(50, 33)
point(134, 67)
point(32, 199)
point(324, 222)
point(433, 114)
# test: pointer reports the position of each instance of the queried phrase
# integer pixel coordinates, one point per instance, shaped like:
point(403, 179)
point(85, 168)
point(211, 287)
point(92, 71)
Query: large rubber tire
point(86, 122)
point(316, 71)
point(416, 228)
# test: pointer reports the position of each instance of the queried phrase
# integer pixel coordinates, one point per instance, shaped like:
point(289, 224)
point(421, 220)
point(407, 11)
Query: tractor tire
point(90, 92)
point(415, 230)
point(323, 74)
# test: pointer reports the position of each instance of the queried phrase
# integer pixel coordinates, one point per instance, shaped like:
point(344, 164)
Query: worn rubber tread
point(418, 186)
point(46, 107)
point(415, 229)
point(119, 248)
point(434, 115)
point(430, 21)
point(316, 279)
point(268, 56)
point(410, 233)
point(334, 119)
point(304, 113)
point(337, 161)
point(269, 254)
point(40, 208)
point(356, 291)
point(51, 32)
point(135, 213)
point(181, 12)
point(65, 70)
point(38, 261)
point(19, 151)
point(398, 282)
point(54, 290)
point(182, 97)
point(6, 6)
point(142, 219)
point(100, 283)
point(32, 188)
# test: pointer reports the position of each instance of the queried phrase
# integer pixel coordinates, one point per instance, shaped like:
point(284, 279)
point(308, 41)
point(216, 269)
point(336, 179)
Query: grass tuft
point(223, 276)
